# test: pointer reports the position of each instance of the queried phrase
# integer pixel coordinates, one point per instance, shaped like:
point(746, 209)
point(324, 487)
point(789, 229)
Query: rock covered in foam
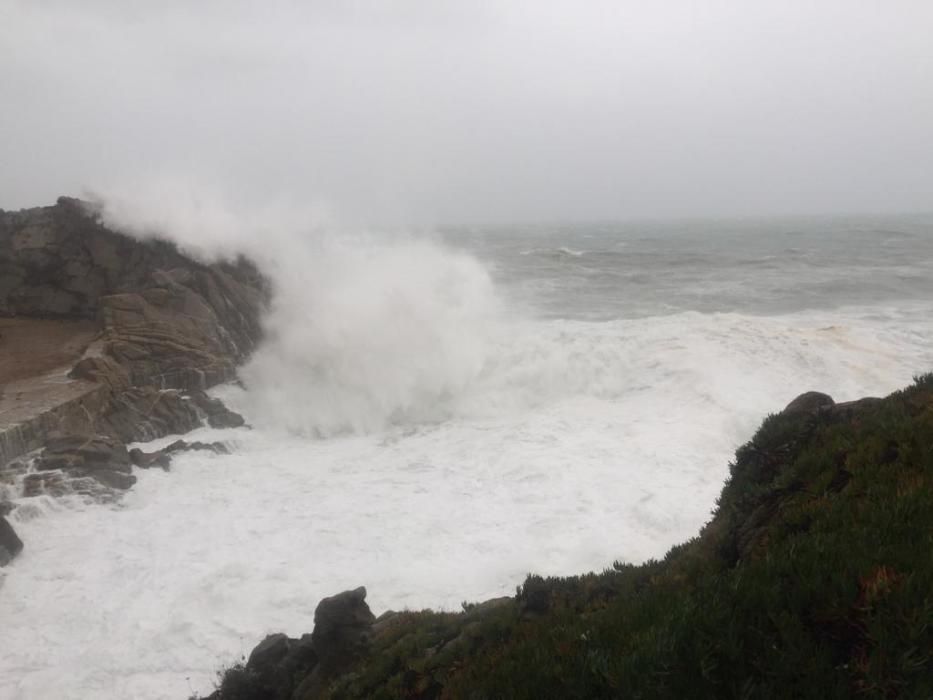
point(99, 457)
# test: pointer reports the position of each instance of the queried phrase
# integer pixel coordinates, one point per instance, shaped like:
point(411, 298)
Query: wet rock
point(148, 460)
point(184, 446)
point(217, 414)
point(342, 628)
point(45, 484)
point(103, 370)
point(162, 458)
point(809, 402)
point(114, 479)
point(10, 544)
point(81, 464)
point(146, 413)
point(85, 452)
point(164, 322)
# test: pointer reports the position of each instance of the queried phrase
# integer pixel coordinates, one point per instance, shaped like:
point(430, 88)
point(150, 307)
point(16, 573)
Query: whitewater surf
point(436, 417)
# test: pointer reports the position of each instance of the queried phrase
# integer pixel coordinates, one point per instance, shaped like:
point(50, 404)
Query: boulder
point(271, 670)
point(342, 628)
point(809, 402)
point(269, 652)
point(342, 620)
point(10, 544)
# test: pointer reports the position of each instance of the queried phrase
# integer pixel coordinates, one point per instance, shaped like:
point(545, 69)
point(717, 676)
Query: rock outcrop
point(106, 340)
point(342, 625)
point(809, 402)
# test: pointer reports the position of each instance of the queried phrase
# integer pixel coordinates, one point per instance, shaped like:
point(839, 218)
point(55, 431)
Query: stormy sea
point(434, 416)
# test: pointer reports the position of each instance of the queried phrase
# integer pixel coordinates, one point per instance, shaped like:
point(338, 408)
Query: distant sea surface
point(435, 418)
point(755, 266)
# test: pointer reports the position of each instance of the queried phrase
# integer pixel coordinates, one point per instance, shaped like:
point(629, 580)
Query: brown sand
point(34, 347)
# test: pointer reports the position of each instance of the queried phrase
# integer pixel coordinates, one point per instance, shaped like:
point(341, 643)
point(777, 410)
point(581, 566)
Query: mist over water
point(435, 416)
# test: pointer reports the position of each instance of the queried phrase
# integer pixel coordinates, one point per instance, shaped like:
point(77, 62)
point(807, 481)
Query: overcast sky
point(429, 111)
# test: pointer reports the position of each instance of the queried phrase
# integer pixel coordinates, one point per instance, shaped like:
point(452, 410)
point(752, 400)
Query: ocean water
point(435, 417)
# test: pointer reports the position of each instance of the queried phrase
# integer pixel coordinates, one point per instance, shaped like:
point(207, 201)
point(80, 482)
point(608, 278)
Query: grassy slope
point(814, 579)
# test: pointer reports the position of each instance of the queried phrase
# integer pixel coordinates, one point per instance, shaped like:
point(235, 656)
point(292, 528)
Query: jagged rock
point(341, 620)
point(342, 627)
point(45, 483)
point(163, 458)
point(217, 414)
point(145, 413)
point(184, 446)
point(147, 460)
point(10, 544)
point(809, 402)
point(114, 479)
point(67, 461)
point(84, 452)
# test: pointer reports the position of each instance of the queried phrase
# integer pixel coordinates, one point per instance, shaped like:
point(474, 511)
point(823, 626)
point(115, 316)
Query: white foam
point(571, 445)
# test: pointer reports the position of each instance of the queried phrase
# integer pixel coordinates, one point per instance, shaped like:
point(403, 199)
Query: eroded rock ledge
point(106, 340)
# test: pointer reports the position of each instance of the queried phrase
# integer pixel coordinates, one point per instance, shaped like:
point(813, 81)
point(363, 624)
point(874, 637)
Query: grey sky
point(427, 111)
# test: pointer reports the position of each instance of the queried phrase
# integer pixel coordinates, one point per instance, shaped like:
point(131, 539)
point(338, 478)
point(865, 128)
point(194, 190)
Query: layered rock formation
point(105, 340)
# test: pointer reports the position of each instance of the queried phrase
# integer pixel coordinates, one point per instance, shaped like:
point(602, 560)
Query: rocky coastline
point(812, 579)
point(107, 340)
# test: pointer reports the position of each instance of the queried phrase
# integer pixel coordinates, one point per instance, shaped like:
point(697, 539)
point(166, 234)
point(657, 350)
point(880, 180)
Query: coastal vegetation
point(814, 578)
